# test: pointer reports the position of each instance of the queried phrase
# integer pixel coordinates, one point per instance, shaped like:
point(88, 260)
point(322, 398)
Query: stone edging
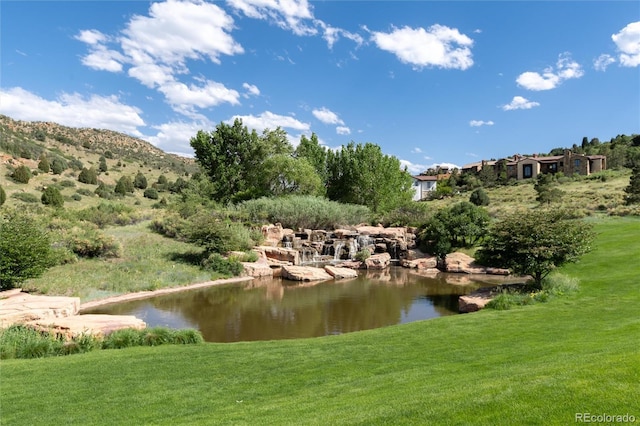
point(147, 294)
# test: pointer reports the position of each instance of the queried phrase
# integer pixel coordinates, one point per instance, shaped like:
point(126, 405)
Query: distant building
point(521, 167)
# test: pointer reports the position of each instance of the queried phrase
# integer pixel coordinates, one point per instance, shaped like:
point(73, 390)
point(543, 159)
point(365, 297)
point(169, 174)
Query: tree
point(51, 196)
point(103, 165)
point(535, 242)
point(89, 176)
point(22, 174)
point(314, 153)
point(25, 250)
point(124, 185)
point(461, 225)
point(546, 187)
point(151, 193)
point(633, 190)
point(362, 174)
point(140, 181)
point(226, 155)
point(44, 164)
point(479, 197)
point(284, 175)
point(3, 196)
point(58, 166)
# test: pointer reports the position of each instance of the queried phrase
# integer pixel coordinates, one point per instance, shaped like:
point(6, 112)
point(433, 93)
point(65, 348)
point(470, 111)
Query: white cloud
point(327, 116)
point(437, 46)
point(478, 123)
point(269, 120)
point(287, 14)
point(412, 168)
point(628, 44)
point(157, 46)
point(332, 34)
point(251, 90)
point(343, 130)
point(175, 136)
point(603, 61)
point(72, 109)
point(518, 102)
point(565, 69)
point(416, 150)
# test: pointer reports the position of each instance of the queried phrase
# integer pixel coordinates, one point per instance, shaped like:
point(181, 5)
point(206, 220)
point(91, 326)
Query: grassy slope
point(535, 365)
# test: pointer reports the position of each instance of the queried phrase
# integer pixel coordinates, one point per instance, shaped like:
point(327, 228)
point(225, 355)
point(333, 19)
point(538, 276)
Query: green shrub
point(22, 174)
point(51, 196)
point(89, 176)
point(140, 181)
point(124, 186)
point(105, 214)
point(44, 164)
point(92, 243)
point(170, 225)
point(247, 256)
point(3, 196)
point(507, 300)
point(411, 214)
point(25, 250)
point(479, 197)
point(218, 236)
point(58, 166)
point(217, 263)
point(157, 336)
point(85, 192)
point(104, 191)
point(362, 255)
point(25, 197)
point(151, 193)
point(67, 183)
point(187, 336)
point(559, 284)
point(76, 197)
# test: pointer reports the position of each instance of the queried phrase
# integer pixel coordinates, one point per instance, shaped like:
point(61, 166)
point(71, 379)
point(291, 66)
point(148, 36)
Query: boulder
point(378, 261)
point(304, 273)
point(395, 233)
point(273, 234)
point(475, 301)
point(339, 273)
point(421, 263)
point(281, 254)
point(18, 307)
point(259, 268)
point(413, 254)
point(370, 230)
point(462, 263)
point(351, 264)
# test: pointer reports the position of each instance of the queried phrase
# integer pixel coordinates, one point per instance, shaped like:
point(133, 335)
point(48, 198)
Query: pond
point(270, 309)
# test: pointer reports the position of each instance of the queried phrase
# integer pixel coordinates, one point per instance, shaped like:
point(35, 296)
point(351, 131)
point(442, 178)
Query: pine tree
point(633, 190)
point(44, 164)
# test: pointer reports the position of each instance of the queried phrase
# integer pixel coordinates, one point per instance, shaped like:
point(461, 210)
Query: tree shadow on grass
point(190, 257)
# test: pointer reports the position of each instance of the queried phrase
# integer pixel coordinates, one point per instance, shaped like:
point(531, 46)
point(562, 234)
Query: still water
point(270, 309)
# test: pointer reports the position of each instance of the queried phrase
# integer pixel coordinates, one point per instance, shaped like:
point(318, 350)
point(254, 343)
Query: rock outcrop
point(378, 261)
point(339, 273)
point(475, 301)
point(462, 263)
point(305, 273)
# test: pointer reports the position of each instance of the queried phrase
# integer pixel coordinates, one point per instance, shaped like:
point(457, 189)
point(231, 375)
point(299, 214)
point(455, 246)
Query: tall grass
point(304, 212)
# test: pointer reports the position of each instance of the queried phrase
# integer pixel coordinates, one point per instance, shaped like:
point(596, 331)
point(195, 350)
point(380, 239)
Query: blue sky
point(430, 82)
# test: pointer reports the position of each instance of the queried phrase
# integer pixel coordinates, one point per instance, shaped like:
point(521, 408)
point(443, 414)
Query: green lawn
point(538, 364)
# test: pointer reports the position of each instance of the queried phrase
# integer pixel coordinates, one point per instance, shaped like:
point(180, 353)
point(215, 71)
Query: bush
point(25, 250)
point(151, 193)
point(170, 225)
point(44, 164)
point(25, 197)
point(411, 214)
point(218, 236)
point(124, 186)
point(105, 214)
point(304, 212)
point(217, 263)
point(140, 181)
point(362, 255)
point(58, 166)
point(67, 183)
point(120, 339)
point(3, 196)
point(479, 197)
point(22, 174)
point(104, 191)
point(92, 243)
point(51, 196)
point(89, 176)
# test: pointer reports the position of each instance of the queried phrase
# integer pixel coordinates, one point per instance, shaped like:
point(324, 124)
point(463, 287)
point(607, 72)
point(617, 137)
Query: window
point(576, 163)
point(553, 167)
point(527, 171)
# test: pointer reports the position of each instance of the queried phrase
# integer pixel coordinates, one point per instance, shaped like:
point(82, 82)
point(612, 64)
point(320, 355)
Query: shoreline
point(127, 297)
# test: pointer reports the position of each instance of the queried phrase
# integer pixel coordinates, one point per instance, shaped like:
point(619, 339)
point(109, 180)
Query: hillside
point(24, 143)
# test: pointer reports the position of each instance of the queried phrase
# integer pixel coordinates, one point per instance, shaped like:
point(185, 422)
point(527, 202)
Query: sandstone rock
point(370, 230)
point(281, 254)
point(260, 268)
point(351, 264)
point(339, 273)
point(462, 263)
point(17, 307)
point(273, 234)
point(414, 254)
point(90, 324)
point(344, 233)
point(393, 233)
point(378, 261)
point(421, 263)
point(475, 301)
point(304, 273)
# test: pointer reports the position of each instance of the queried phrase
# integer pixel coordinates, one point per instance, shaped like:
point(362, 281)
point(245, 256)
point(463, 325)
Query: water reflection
point(268, 309)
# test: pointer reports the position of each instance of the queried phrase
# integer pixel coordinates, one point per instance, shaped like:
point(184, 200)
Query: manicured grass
point(538, 364)
point(148, 262)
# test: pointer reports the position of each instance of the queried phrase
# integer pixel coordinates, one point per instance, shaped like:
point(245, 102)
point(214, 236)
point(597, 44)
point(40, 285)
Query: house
point(423, 185)
point(529, 167)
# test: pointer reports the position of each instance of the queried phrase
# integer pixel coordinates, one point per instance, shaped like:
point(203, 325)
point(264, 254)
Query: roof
point(425, 178)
